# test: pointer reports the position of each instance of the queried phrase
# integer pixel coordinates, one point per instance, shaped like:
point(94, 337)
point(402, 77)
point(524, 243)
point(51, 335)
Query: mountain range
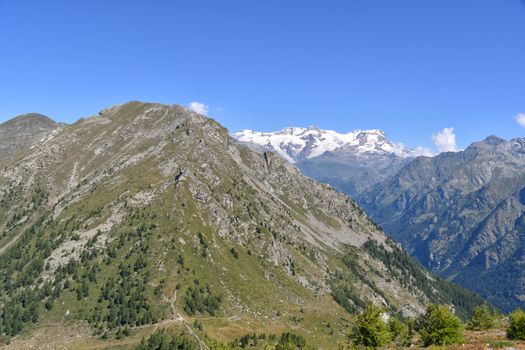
point(297, 144)
point(350, 162)
point(461, 214)
point(150, 215)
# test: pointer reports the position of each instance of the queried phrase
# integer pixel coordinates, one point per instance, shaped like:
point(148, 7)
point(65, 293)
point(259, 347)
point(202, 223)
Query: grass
point(320, 334)
point(500, 344)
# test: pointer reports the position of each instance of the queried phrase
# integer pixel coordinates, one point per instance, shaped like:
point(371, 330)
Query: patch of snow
point(295, 144)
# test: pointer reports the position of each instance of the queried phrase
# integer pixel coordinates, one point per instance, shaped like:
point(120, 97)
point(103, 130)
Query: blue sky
point(409, 67)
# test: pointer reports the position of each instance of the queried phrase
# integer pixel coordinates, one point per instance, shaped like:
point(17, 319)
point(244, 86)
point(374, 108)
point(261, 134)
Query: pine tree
point(439, 326)
point(401, 333)
point(516, 328)
point(290, 341)
point(370, 330)
point(482, 318)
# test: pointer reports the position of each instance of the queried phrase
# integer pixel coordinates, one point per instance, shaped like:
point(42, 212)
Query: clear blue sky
point(409, 67)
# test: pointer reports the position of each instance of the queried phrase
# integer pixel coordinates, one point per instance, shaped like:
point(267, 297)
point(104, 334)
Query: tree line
point(438, 326)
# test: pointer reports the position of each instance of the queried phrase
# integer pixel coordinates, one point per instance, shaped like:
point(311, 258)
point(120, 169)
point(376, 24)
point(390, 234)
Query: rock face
point(462, 215)
point(150, 213)
point(350, 162)
point(23, 132)
point(351, 172)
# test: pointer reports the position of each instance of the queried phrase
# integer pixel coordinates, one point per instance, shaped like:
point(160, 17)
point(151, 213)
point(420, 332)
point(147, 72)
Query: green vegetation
point(400, 332)
point(439, 326)
point(287, 341)
point(497, 344)
point(248, 340)
point(516, 329)
point(123, 303)
point(374, 328)
point(201, 300)
point(483, 318)
point(345, 295)
point(20, 266)
point(370, 330)
point(290, 341)
point(122, 299)
point(234, 253)
point(413, 276)
point(344, 282)
point(167, 340)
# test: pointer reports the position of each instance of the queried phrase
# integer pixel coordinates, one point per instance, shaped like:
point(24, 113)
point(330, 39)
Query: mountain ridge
point(149, 213)
point(460, 214)
point(25, 131)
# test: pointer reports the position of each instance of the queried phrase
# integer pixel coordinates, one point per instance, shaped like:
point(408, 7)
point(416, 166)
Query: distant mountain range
point(350, 162)
point(297, 144)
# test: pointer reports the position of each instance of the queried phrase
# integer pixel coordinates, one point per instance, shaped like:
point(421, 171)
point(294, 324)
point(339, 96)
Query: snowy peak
point(295, 144)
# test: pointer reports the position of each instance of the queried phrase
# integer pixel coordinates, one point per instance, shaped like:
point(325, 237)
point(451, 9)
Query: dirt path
point(182, 320)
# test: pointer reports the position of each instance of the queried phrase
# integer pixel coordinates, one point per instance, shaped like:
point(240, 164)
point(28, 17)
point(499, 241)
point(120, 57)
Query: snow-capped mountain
point(298, 144)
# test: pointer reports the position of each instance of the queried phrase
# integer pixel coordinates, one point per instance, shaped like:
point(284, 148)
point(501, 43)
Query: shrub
point(516, 328)
point(370, 329)
point(482, 318)
point(400, 333)
point(165, 339)
point(290, 341)
point(439, 326)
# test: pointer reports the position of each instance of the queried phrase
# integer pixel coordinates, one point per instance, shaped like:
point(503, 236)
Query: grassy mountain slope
point(149, 215)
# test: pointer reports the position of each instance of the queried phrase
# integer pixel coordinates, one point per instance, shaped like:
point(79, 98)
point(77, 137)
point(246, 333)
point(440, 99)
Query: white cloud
point(445, 140)
point(520, 119)
point(423, 151)
point(198, 107)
